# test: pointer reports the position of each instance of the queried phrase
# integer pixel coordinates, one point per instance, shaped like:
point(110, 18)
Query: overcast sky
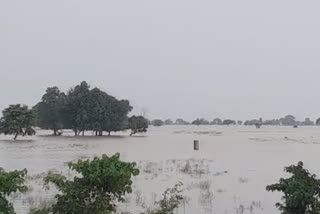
point(235, 59)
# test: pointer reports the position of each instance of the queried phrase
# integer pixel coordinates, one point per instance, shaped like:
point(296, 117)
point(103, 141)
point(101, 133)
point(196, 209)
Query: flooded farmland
point(227, 175)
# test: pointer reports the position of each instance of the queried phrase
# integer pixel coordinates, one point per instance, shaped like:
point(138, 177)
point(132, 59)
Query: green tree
point(228, 122)
point(10, 182)
point(301, 191)
point(17, 120)
point(118, 117)
point(100, 184)
point(168, 122)
point(216, 121)
point(107, 113)
point(288, 120)
point(78, 107)
point(157, 122)
point(181, 122)
point(307, 122)
point(201, 121)
point(50, 110)
point(95, 110)
point(99, 114)
point(138, 124)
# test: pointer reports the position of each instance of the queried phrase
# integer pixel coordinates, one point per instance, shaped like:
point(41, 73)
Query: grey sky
point(237, 58)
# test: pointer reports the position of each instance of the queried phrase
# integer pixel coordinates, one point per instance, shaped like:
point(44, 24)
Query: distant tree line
point(288, 120)
point(198, 122)
point(80, 109)
point(159, 122)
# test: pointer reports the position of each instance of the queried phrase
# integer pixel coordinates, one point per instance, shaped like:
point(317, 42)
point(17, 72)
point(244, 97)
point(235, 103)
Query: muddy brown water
point(227, 175)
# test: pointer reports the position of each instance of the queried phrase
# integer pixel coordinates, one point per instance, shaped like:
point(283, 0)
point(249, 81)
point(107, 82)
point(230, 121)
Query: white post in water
point(196, 146)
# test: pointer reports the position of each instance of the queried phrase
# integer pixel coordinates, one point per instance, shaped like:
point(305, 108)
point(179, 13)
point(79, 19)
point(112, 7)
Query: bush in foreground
point(10, 182)
point(301, 191)
point(101, 183)
point(171, 200)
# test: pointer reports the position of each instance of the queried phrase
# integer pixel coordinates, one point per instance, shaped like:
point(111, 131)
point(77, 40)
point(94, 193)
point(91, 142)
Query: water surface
point(228, 175)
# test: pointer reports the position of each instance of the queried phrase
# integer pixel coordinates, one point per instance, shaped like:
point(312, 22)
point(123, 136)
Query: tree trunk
point(83, 133)
point(75, 132)
point(109, 133)
point(15, 137)
point(100, 133)
point(133, 132)
point(55, 132)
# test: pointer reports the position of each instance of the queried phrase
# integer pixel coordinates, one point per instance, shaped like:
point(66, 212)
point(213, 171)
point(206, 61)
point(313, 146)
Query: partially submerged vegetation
point(17, 120)
point(10, 182)
point(301, 191)
point(99, 185)
point(138, 124)
point(171, 200)
point(80, 109)
point(83, 108)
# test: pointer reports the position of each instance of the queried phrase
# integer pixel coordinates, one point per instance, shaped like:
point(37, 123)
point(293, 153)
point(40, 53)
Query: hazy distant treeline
point(288, 120)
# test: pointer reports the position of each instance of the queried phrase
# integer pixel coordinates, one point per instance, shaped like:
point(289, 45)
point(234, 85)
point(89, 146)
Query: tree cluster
point(84, 109)
point(288, 120)
point(80, 109)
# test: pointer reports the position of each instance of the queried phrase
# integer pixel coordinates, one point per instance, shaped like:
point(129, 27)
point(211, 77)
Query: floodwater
point(227, 175)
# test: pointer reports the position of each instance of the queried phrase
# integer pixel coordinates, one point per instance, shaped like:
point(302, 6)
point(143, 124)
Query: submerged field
point(228, 175)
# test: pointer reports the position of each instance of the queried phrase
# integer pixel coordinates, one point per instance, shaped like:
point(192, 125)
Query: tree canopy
point(180, 121)
point(168, 122)
point(102, 182)
point(228, 122)
point(17, 120)
point(301, 191)
point(288, 120)
point(216, 121)
point(201, 121)
point(157, 122)
point(138, 124)
point(10, 182)
point(77, 107)
point(82, 109)
point(50, 110)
